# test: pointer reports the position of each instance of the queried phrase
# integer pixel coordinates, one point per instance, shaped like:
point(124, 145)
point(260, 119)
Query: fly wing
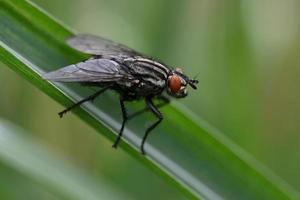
point(95, 70)
point(95, 45)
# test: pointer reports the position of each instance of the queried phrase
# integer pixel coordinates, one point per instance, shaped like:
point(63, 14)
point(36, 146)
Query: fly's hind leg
point(127, 117)
point(89, 98)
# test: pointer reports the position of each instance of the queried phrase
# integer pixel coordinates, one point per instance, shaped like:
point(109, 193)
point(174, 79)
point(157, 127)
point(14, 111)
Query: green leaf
point(184, 149)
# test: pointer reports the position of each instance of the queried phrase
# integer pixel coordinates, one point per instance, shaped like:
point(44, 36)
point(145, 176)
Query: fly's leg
point(89, 98)
point(159, 116)
point(164, 102)
point(125, 118)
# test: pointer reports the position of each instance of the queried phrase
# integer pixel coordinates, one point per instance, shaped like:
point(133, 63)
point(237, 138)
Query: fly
point(133, 75)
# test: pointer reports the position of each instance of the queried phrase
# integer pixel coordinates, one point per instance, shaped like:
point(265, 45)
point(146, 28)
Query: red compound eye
point(174, 83)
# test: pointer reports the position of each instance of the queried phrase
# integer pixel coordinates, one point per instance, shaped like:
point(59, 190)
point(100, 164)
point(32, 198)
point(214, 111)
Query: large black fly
point(132, 74)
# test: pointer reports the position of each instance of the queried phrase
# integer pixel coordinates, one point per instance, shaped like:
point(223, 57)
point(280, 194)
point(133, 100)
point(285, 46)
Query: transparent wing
point(95, 70)
point(95, 45)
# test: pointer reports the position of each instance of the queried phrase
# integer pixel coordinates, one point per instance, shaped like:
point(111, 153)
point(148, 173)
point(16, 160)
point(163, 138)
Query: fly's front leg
point(159, 116)
point(125, 118)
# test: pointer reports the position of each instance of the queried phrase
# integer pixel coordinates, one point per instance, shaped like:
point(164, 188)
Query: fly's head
point(178, 82)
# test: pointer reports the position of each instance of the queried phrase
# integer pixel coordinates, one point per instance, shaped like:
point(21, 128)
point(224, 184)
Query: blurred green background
point(245, 52)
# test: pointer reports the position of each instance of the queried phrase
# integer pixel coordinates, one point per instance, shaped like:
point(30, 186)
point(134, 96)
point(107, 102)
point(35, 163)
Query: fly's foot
point(62, 113)
point(116, 143)
point(142, 150)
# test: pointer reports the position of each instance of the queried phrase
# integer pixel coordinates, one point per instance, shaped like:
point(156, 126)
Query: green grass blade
point(25, 155)
point(183, 149)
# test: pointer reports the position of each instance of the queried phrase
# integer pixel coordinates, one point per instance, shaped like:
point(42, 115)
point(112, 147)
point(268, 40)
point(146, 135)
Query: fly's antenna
point(192, 83)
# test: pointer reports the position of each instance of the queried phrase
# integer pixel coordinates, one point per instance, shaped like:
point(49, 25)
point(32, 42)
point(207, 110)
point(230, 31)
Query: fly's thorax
point(147, 67)
point(143, 87)
point(150, 76)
